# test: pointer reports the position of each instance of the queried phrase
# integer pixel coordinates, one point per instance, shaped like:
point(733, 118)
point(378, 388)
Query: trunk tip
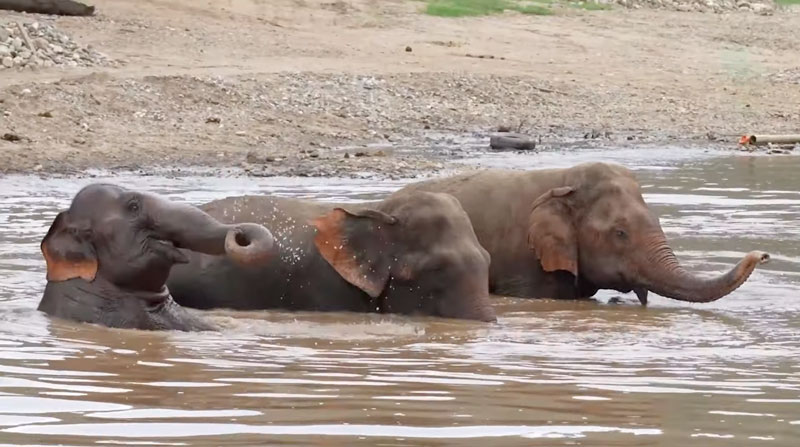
point(759, 257)
point(249, 244)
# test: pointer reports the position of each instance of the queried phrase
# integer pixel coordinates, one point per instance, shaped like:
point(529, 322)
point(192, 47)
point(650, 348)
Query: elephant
point(109, 255)
point(411, 254)
point(566, 233)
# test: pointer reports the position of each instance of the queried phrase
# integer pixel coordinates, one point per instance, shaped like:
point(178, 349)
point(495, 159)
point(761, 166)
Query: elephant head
point(415, 252)
point(597, 226)
point(109, 255)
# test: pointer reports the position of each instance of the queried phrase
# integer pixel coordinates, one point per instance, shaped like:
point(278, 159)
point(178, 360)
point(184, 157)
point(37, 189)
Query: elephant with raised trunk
point(409, 254)
point(566, 233)
point(109, 255)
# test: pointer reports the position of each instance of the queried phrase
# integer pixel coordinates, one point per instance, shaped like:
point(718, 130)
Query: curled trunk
point(190, 228)
point(664, 275)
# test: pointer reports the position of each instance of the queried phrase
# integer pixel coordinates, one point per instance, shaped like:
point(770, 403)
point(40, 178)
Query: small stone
point(46, 114)
point(240, 133)
point(253, 158)
point(4, 51)
point(25, 91)
point(16, 43)
point(213, 119)
point(34, 26)
point(58, 49)
point(25, 54)
point(41, 43)
point(4, 34)
point(8, 62)
point(11, 137)
point(760, 8)
point(408, 49)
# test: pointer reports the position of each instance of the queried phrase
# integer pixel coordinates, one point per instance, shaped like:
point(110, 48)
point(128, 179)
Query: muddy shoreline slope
point(341, 88)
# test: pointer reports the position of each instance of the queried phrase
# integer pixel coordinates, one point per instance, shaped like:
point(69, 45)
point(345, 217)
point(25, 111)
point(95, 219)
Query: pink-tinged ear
point(68, 250)
point(356, 245)
point(551, 233)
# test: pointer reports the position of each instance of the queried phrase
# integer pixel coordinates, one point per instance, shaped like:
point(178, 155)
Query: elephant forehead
point(599, 170)
point(94, 197)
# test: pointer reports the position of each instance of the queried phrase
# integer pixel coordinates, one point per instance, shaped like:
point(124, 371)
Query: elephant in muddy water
point(409, 254)
point(108, 257)
point(566, 233)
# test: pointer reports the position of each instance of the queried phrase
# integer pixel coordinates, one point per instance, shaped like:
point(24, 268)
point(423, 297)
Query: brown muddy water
point(597, 373)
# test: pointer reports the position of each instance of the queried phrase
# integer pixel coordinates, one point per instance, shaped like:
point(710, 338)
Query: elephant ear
point(551, 233)
point(68, 250)
point(357, 246)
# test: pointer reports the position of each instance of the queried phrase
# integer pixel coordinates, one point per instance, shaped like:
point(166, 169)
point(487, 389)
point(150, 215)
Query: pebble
point(8, 62)
point(41, 43)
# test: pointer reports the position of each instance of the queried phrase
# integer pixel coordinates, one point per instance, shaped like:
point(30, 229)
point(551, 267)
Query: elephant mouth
point(168, 249)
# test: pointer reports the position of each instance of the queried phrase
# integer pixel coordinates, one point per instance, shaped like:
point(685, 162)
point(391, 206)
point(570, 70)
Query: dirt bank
point(320, 88)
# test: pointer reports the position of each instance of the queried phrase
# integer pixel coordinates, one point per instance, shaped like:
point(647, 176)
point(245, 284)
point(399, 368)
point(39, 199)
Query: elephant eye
point(133, 206)
point(621, 234)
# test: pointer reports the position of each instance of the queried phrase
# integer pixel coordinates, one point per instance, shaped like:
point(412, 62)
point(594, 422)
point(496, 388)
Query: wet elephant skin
point(409, 254)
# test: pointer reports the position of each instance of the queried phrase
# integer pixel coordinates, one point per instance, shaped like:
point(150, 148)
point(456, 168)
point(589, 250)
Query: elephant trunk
point(664, 275)
point(190, 228)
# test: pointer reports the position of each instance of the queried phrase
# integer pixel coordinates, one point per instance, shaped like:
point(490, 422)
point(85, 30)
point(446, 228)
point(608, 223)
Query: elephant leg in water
point(109, 255)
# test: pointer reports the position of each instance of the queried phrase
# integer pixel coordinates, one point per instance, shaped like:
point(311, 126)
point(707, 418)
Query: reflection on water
point(548, 373)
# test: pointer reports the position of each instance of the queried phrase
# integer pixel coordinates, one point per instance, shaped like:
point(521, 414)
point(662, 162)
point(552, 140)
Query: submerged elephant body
point(108, 257)
point(433, 248)
point(566, 233)
point(410, 254)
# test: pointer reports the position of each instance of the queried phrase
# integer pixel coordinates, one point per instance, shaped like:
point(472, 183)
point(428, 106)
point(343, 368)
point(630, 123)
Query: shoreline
point(291, 92)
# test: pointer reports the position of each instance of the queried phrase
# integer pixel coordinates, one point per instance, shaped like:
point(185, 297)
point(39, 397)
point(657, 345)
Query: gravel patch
point(789, 76)
point(756, 6)
point(38, 44)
